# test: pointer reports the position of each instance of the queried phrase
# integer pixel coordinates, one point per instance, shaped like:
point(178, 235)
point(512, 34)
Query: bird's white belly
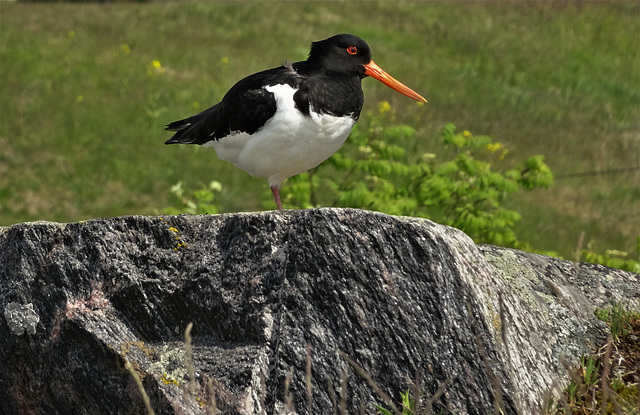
point(290, 143)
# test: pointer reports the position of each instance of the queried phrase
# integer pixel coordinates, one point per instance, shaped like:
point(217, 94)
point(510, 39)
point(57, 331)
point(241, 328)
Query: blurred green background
point(86, 89)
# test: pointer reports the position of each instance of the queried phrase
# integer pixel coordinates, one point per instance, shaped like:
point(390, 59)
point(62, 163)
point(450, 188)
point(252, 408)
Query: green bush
point(194, 202)
point(466, 192)
point(613, 258)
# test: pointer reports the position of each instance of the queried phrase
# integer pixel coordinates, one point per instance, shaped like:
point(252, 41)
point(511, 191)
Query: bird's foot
point(276, 195)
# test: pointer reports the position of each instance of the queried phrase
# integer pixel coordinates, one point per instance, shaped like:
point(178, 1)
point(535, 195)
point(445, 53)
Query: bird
point(284, 121)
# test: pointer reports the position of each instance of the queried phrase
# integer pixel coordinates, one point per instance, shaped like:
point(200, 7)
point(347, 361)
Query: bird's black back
point(328, 82)
point(245, 108)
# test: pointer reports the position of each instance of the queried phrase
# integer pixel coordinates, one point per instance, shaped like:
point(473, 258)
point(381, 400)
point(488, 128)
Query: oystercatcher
point(284, 121)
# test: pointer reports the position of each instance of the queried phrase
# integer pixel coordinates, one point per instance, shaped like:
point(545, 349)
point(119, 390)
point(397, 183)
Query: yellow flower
point(467, 133)
point(71, 34)
point(79, 98)
point(124, 48)
point(384, 106)
point(224, 60)
point(155, 67)
point(493, 147)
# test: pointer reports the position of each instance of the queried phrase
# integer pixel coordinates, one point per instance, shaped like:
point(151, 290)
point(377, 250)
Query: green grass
point(82, 109)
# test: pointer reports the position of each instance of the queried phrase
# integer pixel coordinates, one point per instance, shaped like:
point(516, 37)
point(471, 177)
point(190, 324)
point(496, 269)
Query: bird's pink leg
point(276, 195)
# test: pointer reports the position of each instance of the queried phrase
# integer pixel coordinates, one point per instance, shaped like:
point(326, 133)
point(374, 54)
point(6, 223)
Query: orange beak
point(378, 73)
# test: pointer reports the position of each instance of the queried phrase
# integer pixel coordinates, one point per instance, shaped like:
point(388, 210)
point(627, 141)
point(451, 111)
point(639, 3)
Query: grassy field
point(85, 91)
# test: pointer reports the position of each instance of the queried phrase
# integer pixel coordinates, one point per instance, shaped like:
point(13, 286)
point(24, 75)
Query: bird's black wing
point(245, 108)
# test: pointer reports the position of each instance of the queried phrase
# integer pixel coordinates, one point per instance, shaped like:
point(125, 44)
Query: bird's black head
point(349, 55)
point(343, 54)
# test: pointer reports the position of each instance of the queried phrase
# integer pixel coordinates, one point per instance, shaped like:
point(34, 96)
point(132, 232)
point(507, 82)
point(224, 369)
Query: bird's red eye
point(352, 50)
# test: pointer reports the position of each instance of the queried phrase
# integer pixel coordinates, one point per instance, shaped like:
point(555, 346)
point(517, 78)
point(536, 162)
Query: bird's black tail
point(184, 131)
point(190, 130)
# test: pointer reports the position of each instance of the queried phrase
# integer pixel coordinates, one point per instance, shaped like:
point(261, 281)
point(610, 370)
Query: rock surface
point(404, 298)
